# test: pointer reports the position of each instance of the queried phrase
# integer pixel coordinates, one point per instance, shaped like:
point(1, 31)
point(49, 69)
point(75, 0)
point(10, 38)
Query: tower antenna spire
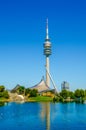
point(47, 34)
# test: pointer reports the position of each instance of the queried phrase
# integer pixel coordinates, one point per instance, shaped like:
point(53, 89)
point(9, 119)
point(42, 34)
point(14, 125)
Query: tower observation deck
point(47, 53)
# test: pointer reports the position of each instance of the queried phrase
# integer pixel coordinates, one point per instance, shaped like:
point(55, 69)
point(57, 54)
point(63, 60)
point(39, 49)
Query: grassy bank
point(40, 99)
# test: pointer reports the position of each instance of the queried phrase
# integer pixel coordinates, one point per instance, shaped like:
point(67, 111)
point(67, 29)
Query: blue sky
point(22, 34)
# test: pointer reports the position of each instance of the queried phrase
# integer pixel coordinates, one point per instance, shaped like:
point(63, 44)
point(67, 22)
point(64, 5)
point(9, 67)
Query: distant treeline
point(79, 95)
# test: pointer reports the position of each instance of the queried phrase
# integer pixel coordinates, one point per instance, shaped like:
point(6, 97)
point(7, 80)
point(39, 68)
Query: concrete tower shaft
point(47, 53)
point(47, 75)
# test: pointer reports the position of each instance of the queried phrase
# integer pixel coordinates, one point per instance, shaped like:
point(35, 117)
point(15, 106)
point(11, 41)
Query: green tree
point(71, 95)
point(1, 94)
point(2, 88)
point(64, 94)
point(33, 93)
point(79, 93)
point(82, 93)
point(5, 94)
point(56, 99)
point(85, 93)
point(21, 90)
point(27, 91)
point(61, 99)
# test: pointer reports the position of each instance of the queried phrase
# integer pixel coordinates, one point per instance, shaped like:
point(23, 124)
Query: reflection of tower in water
point(45, 114)
point(48, 116)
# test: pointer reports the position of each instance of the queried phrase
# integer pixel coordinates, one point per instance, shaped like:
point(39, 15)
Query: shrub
point(33, 93)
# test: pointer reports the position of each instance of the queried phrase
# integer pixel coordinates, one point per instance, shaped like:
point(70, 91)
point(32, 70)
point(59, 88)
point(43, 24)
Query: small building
point(65, 85)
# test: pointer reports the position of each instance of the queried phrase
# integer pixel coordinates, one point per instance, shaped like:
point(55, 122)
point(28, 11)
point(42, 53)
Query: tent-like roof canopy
point(41, 86)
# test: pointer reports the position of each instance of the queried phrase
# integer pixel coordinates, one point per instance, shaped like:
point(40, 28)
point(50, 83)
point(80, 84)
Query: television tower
point(47, 53)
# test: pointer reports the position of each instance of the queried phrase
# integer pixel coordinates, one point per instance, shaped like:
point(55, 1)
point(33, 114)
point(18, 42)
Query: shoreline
point(30, 100)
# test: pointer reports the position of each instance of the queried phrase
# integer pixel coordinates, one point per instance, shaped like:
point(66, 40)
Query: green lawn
point(40, 99)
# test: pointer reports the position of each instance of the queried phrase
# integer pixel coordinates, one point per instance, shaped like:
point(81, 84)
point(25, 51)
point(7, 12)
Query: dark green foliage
point(71, 95)
point(61, 99)
point(1, 94)
point(82, 93)
point(64, 94)
point(56, 99)
point(33, 93)
point(21, 90)
point(2, 88)
point(4, 94)
point(27, 91)
point(85, 93)
point(79, 93)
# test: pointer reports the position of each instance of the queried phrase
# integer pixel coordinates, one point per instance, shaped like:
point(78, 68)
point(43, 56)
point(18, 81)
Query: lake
point(42, 116)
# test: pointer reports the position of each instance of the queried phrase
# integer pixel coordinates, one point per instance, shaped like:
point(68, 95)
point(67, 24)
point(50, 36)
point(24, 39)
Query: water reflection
point(42, 116)
point(45, 114)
